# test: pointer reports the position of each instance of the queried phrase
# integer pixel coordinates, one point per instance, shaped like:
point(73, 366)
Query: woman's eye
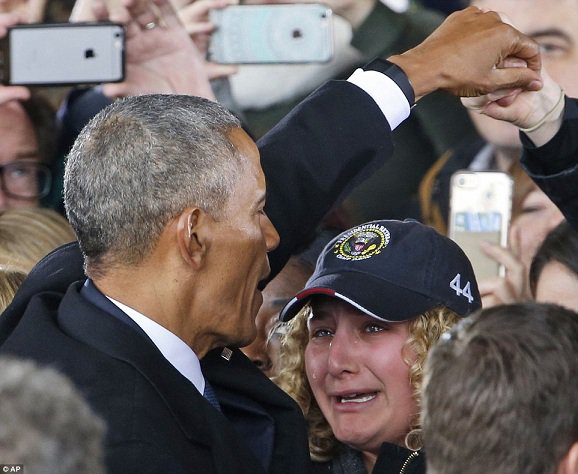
point(375, 328)
point(320, 332)
point(531, 209)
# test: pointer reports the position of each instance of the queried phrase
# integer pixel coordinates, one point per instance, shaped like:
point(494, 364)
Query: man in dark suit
point(167, 195)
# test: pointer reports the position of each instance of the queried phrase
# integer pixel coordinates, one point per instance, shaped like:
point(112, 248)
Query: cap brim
point(375, 297)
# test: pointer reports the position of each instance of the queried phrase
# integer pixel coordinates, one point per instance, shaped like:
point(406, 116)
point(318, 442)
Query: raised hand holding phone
point(160, 55)
point(480, 210)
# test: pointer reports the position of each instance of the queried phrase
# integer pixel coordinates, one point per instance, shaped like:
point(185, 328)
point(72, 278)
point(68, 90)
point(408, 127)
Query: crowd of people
point(244, 269)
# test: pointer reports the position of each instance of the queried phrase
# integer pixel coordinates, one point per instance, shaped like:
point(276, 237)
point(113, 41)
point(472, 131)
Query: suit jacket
point(157, 421)
point(554, 166)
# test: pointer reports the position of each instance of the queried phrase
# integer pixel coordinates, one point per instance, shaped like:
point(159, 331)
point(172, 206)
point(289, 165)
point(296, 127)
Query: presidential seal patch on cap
point(393, 271)
point(362, 242)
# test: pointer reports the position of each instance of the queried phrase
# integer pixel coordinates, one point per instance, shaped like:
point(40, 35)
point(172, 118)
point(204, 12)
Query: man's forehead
point(15, 125)
point(529, 11)
point(14, 110)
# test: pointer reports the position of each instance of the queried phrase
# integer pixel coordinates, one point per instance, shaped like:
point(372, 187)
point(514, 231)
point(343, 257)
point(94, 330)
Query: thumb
point(8, 93)
point(517, 77)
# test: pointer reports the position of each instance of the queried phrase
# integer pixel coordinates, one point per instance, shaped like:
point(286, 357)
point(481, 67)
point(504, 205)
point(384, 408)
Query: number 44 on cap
point(455, 285)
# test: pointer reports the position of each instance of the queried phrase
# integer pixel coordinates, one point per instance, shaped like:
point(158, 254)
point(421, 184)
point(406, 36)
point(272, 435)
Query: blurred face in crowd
point(31, 11)
point(19, 156)
point(538, 216)
point(356, 368)
point(554, 25)
point(264, 350)
point(559, 285)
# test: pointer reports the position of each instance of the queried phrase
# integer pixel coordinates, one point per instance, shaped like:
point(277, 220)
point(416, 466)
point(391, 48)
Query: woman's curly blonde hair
point(424, 331)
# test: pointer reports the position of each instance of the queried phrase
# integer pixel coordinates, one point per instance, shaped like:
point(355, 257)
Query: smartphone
point(63, 54)
point(269, 34)
point(480, 209)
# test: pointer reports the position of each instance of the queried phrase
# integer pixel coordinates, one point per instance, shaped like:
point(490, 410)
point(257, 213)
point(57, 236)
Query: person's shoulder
point(321, 467)
point(385, 32)
point(424, 20)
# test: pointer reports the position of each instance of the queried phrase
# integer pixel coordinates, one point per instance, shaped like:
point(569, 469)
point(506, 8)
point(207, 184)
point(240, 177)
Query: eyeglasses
point(25, 179)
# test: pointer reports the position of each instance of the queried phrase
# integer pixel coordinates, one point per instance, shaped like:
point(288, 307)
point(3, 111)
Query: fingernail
point(535, 85)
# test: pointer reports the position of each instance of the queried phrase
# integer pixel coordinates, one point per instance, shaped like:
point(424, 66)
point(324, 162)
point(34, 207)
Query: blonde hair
point(27, 235)
point(424, 331)
point(10, 281)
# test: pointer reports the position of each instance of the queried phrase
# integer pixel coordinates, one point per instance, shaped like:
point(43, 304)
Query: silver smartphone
point(480, 209)
point(63, 54)
point(269, 34)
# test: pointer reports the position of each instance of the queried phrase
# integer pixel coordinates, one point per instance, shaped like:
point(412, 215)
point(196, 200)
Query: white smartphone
point(269, 34)
point(480, 209)
point(63, 54)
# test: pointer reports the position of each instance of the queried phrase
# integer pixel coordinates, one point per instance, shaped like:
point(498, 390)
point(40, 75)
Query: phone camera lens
point(462, 181)
point(117, 35)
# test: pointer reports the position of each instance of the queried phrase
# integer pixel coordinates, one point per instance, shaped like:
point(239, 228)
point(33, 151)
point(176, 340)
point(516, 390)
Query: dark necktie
point(211, 396)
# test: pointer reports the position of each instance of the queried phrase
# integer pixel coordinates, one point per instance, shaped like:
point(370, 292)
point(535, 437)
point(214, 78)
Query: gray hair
point(500, 392)
point(45, 424)
point(138, 164)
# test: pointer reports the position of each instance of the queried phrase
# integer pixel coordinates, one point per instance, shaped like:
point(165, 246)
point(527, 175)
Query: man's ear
point(569, 463)
point(191, 231)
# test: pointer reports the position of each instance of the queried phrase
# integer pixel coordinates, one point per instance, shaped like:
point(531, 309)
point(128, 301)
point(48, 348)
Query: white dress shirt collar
point(174, 349)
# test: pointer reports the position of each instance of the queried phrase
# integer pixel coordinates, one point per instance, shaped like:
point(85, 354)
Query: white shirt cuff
point(386, 94)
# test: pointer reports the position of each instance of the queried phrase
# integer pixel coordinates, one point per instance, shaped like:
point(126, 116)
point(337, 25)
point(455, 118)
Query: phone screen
point(58, 54)
point(269, 34)
point(472, 227)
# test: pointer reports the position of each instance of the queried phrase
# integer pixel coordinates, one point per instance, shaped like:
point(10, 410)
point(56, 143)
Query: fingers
point(178, 4)
point(140, 16)
point(515, 270)
point(509, 98)
point(513, 62)
point(514, 286)
point(100, 11)
point(500, 254)
point(476, 104)
point(217, 71)
point(496, 291)
point(7, 20)
point(143, 14)
point(82, 11)
point(195, 16)
point(167, 14)
point(502, 97)
point(8, 93)
point(515, 77)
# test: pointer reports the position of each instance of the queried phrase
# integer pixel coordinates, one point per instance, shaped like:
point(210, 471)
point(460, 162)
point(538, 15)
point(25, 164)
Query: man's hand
point(160, 55)
point(465, 56)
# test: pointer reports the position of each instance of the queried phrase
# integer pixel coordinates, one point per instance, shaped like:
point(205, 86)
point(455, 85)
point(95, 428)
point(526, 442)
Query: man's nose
point(271, 235)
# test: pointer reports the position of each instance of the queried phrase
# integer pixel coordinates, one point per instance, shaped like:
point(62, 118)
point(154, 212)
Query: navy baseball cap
point(392, 270)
